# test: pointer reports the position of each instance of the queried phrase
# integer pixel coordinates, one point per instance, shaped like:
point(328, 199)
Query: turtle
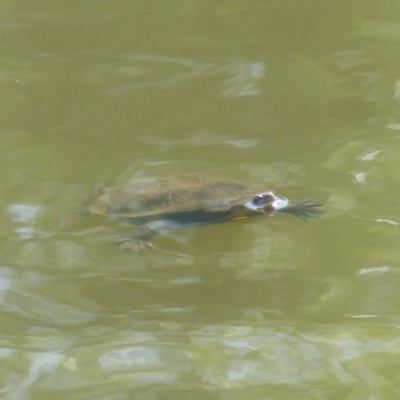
point(187, 200)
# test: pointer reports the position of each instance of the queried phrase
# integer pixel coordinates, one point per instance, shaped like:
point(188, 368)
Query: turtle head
point(266, 203)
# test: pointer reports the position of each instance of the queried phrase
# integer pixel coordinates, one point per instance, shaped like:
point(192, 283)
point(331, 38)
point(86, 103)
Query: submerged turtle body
point(187, 200)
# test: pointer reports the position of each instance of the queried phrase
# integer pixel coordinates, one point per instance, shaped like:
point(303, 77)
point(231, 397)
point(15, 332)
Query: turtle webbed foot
point(130, 243)
point(139, 240)
point(308, 209)
point(305, 209)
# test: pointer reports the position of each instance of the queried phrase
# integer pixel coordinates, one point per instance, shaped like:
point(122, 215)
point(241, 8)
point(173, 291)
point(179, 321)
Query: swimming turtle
point(187, 200)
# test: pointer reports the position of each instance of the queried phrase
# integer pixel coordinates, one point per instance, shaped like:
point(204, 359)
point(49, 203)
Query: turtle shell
point(171, 196)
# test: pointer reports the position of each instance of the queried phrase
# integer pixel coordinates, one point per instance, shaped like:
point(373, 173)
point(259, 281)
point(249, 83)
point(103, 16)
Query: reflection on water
point(172, 72)
point(177, 71)
point(201, 139)
point(76, 327)
point(155, 345)
point(25, 215)
point(244, 80)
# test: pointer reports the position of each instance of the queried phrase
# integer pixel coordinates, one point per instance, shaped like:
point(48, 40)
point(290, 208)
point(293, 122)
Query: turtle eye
point(257, 198)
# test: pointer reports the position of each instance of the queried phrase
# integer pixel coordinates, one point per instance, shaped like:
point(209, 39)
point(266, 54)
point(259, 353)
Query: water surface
point(298, 98)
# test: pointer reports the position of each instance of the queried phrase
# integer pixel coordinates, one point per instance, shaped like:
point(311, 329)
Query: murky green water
point(300, 97)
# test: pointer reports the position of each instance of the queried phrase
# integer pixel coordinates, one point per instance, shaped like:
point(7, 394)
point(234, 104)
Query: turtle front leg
point(304, 209)
point(139, 240)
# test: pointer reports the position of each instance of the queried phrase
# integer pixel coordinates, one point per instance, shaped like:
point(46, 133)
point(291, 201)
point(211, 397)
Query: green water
point(299, 97)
